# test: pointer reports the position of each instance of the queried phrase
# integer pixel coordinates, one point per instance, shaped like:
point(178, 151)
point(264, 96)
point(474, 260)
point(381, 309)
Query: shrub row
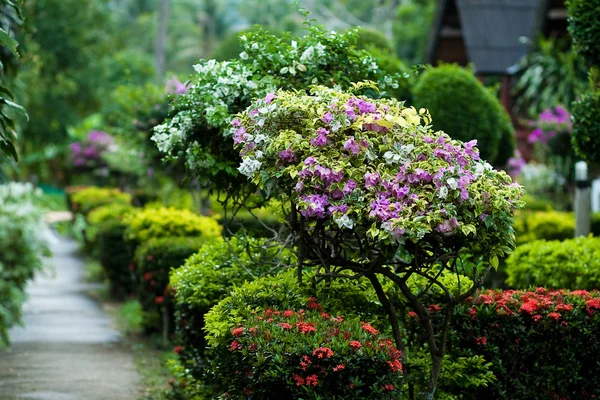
point(86, 199)
point(548, 225)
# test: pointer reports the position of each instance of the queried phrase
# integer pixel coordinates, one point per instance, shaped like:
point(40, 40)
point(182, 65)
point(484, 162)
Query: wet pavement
point(67, 348)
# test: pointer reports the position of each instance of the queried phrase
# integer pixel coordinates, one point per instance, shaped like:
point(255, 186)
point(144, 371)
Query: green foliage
point(230, 46)
point(103, 214)
point(584, 28)
point(130, 317)
point(412, 29)
point(570, 264)
point(553, 74)
point(168, 222)
point(392, 65)
point(369, 38)
point(538, 342)
point(463, 108)
point(533, 203)
point(585, 135)
point(202, 135)
point(116, 257)
point(89, 198)
point(154, 260)
point(311, 355)
point(546, 225)
point(21, 248)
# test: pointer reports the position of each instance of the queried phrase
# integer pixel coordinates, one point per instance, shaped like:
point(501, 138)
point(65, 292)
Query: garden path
point(67, 348)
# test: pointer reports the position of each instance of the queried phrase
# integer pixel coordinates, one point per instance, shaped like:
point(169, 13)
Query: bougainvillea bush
point(310, 354)
point(88, 153)
point(21, 247)
point(374, 191)
point(199, 129)
point(541, 343)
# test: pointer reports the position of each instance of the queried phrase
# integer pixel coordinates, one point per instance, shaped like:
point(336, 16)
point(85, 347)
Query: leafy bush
point(85, 200)
point(154, 260)
point(311, 355)
point(21, 248)
point(541, 343)
point(202, 135)
point(368, 38)
point(116, 257)
point(100, 215)
point(168, 222)
point(547, 225)
point(463, 108)
point(585, 135)
point(584, 28)
point(571, 264)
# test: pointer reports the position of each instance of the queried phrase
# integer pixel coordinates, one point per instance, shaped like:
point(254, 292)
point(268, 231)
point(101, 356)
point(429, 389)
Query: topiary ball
point(463, 108)
point(585, 136)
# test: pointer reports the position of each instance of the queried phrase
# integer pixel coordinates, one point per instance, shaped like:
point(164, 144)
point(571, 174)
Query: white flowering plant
point(373, 191)
point(199, 131)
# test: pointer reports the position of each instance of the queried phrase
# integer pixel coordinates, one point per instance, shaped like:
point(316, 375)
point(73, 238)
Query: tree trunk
point(161, 38)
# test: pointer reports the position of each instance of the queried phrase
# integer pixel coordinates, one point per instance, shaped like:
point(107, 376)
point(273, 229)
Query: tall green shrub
point(463, 108)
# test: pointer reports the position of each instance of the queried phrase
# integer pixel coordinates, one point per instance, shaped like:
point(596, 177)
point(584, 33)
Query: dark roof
point(491, 34)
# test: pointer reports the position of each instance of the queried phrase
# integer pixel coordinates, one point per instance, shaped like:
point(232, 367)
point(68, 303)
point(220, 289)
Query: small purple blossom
point(316, 206)
point(310, 161)
point(175, 86)
point(350, 113)
point(321, 139)
point(351, 146)
point(342, 208)
point(371, 179)
point(448, 226)
point(239, 136)
point(236, 122)
point(349, 186)
point(287, 155)
point(269, 97)
point(327, 118)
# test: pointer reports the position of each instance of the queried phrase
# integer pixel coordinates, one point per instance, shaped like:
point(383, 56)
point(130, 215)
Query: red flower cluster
point(237, 332)
point(482, 341)
point(355, 344)
point(367, 327)
point(323, 352)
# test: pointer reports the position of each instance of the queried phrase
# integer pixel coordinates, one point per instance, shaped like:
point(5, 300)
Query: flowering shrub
point(465, 109)
point(311, 355)
point(199, 130)
point(85, 200)
point(154, 260)
point(21, 248)
point(167, 222)
point(571, 264)
point(88, 153)
point(541, 343)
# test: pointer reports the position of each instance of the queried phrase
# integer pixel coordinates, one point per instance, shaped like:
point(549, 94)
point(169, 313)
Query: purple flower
point(470, 149)
point(337, 194)
point(371, 179)
point(343, 208)
point(269, 97)
point(175, 86)
point(316, 206)
point(299, 186)
point(309, 161)
point(350, 113)
point(327, 118)
point(253, 113)
point(537, 135)
point(76, 148)
point(351, 146)
point(483, 216)
point(448, 226)
point(239, 135)
point(287, 155)
point(236, 122)
point(100, 137)
point(321, 139)
point(365, 107)
point(150, 172)
point(427, 139)
point(349, 186)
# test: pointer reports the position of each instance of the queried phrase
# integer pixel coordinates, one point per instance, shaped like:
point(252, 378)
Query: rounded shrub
point(116, 257)
point(585, 135)
point(101, 215)
point(167, 222)
point(570, 264)
point(154, 260)
point(544, 225)
point(86, 199)
point(368, 39)
point(465, 109)
point(584, 28)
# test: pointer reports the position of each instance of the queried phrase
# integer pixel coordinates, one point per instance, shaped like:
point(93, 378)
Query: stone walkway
point(67, 348)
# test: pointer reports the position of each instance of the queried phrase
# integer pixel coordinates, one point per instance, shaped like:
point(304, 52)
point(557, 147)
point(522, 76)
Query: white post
point(582, 200)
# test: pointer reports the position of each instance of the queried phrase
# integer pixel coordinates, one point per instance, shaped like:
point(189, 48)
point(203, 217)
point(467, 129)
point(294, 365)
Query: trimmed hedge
point(85, 200)
point(549, 225)
point(571, 264)
point(465, 109)
point(116, 257)
point(154, 260)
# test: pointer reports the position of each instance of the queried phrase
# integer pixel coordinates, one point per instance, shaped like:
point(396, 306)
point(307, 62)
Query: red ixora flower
point(323, 352)
point(554, 315)
point(339, 367)
point(235, 345)
point(304, 327)
point(313, 304)
point(355, 344)
point(159, 300)
point(285, 325)
point(388, 387)
point(412, 314)
point(434, 308)
point(178, 349)
point(481, 340)
point(367, 327)
point(395, 365)
point(312, 380)
point(299, 380)
point(288, 313)
point(237, 332)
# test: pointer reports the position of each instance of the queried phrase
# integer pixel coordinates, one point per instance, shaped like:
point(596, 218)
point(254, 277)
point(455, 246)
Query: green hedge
point(463, 108)
point(549, 225)
point(154, 260)
point(85, 200)
point(570, 264)
point(585, 135)
point(116, 257)
point(584, 28)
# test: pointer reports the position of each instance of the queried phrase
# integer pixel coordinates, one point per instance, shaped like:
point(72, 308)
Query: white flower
point(453, 183)
point(260, 138)
point(244, 55)
point(443, 193)
point(249, 166)
point(307, 55)
point(258, 154)
point(479, 169)
point(344, 222)
point(254, 46)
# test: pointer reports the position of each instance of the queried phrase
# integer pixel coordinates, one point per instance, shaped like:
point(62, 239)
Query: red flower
point(285, 325)
point(563, 307)
point(254, 330)
point(305, 362)
point(147, 276)
point(481, 340)
point(237, 332)
point(355, 344)
point(150, 258)
point(388, 387)
point(472, 312)
point(159, 300)
point(434, 308)
point(339, 367)
point(339, 318)
point(536, 318)
point(288, 313)
point(299, 380)
point(592, 304)
point(325, 315)
point(554, 315)
point(178, 349)
point(313, 304)
point(395, 365)
point(235, 345)
point(304, 327)
point(323, 352)
point(529, 306)
point(312, 380)
point(132, 267)
point(412, 314)
point(367, 327)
